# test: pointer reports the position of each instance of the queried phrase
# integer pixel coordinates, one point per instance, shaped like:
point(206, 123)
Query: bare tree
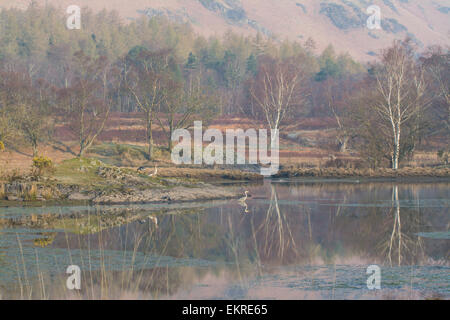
point(33, 125)
point(400, 93)
point(276, 89)
point(336, 94)
point(183, 103)
point(24, 112)
point(86, 100)
point(148, 85)
point(437, 64)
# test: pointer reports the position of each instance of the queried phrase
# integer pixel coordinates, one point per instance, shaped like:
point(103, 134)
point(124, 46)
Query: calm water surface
point(291, 240)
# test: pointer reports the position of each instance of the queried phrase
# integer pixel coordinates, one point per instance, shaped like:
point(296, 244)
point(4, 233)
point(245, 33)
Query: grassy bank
point(91, 180)
point(290, 172)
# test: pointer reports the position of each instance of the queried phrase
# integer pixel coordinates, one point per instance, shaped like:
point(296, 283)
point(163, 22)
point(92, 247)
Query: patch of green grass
point(125, 154)
point(114, 150)
point(84, 172)
point(78, 171)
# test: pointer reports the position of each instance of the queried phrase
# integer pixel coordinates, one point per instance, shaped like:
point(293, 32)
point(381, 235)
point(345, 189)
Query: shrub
point(2, 146)
point(41, 164)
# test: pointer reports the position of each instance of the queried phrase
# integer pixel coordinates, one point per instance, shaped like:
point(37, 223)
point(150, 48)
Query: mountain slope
point(339, 22)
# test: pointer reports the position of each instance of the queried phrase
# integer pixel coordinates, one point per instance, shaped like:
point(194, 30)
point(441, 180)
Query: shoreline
point(208, 192)
point(382, 173)
point(359, 179)
point(87, 181)
point(175, 195)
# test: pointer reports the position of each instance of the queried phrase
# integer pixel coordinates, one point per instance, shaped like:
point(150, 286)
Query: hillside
point(339, 22)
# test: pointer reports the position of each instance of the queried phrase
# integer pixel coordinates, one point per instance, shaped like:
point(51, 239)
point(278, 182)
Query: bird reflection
point(242, 201)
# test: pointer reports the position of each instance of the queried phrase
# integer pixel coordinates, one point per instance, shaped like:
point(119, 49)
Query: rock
point(16, 187)
point(13, 198)
point(80, 197)
point(177, 194)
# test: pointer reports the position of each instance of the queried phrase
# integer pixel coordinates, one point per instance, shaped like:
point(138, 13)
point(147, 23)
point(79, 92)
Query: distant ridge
point(339, 22)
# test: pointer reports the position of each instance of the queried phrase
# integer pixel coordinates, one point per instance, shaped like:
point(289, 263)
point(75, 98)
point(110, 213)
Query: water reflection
point(297, 240)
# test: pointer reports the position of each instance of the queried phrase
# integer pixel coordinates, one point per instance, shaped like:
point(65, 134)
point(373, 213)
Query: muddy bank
point(176, 194)
point(27, 192)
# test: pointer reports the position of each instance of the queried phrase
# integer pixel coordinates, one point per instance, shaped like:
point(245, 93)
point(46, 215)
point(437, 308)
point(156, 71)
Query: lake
point(292, 239)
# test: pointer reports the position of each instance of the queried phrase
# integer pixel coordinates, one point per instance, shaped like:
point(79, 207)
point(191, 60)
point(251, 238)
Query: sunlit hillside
point(340, 22)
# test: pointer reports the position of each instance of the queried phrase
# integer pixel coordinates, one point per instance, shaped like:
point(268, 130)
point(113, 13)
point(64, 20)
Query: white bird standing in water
point(242, 201)
point(245, 197)
point(154, 219)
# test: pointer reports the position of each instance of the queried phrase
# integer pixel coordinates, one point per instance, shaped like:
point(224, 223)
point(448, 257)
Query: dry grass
point(207, 174)
point(30, 194)
point(367, 173)
point(310, 144)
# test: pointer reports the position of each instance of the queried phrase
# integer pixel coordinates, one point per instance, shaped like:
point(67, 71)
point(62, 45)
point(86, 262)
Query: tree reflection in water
point(317, 237)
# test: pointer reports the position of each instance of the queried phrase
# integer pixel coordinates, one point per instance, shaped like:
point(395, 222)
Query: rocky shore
point(24, 191)
point(176, 194)
point(96, 183)
point(92, 181)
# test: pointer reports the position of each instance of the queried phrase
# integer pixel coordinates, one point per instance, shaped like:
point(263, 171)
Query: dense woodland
point(172, 76)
